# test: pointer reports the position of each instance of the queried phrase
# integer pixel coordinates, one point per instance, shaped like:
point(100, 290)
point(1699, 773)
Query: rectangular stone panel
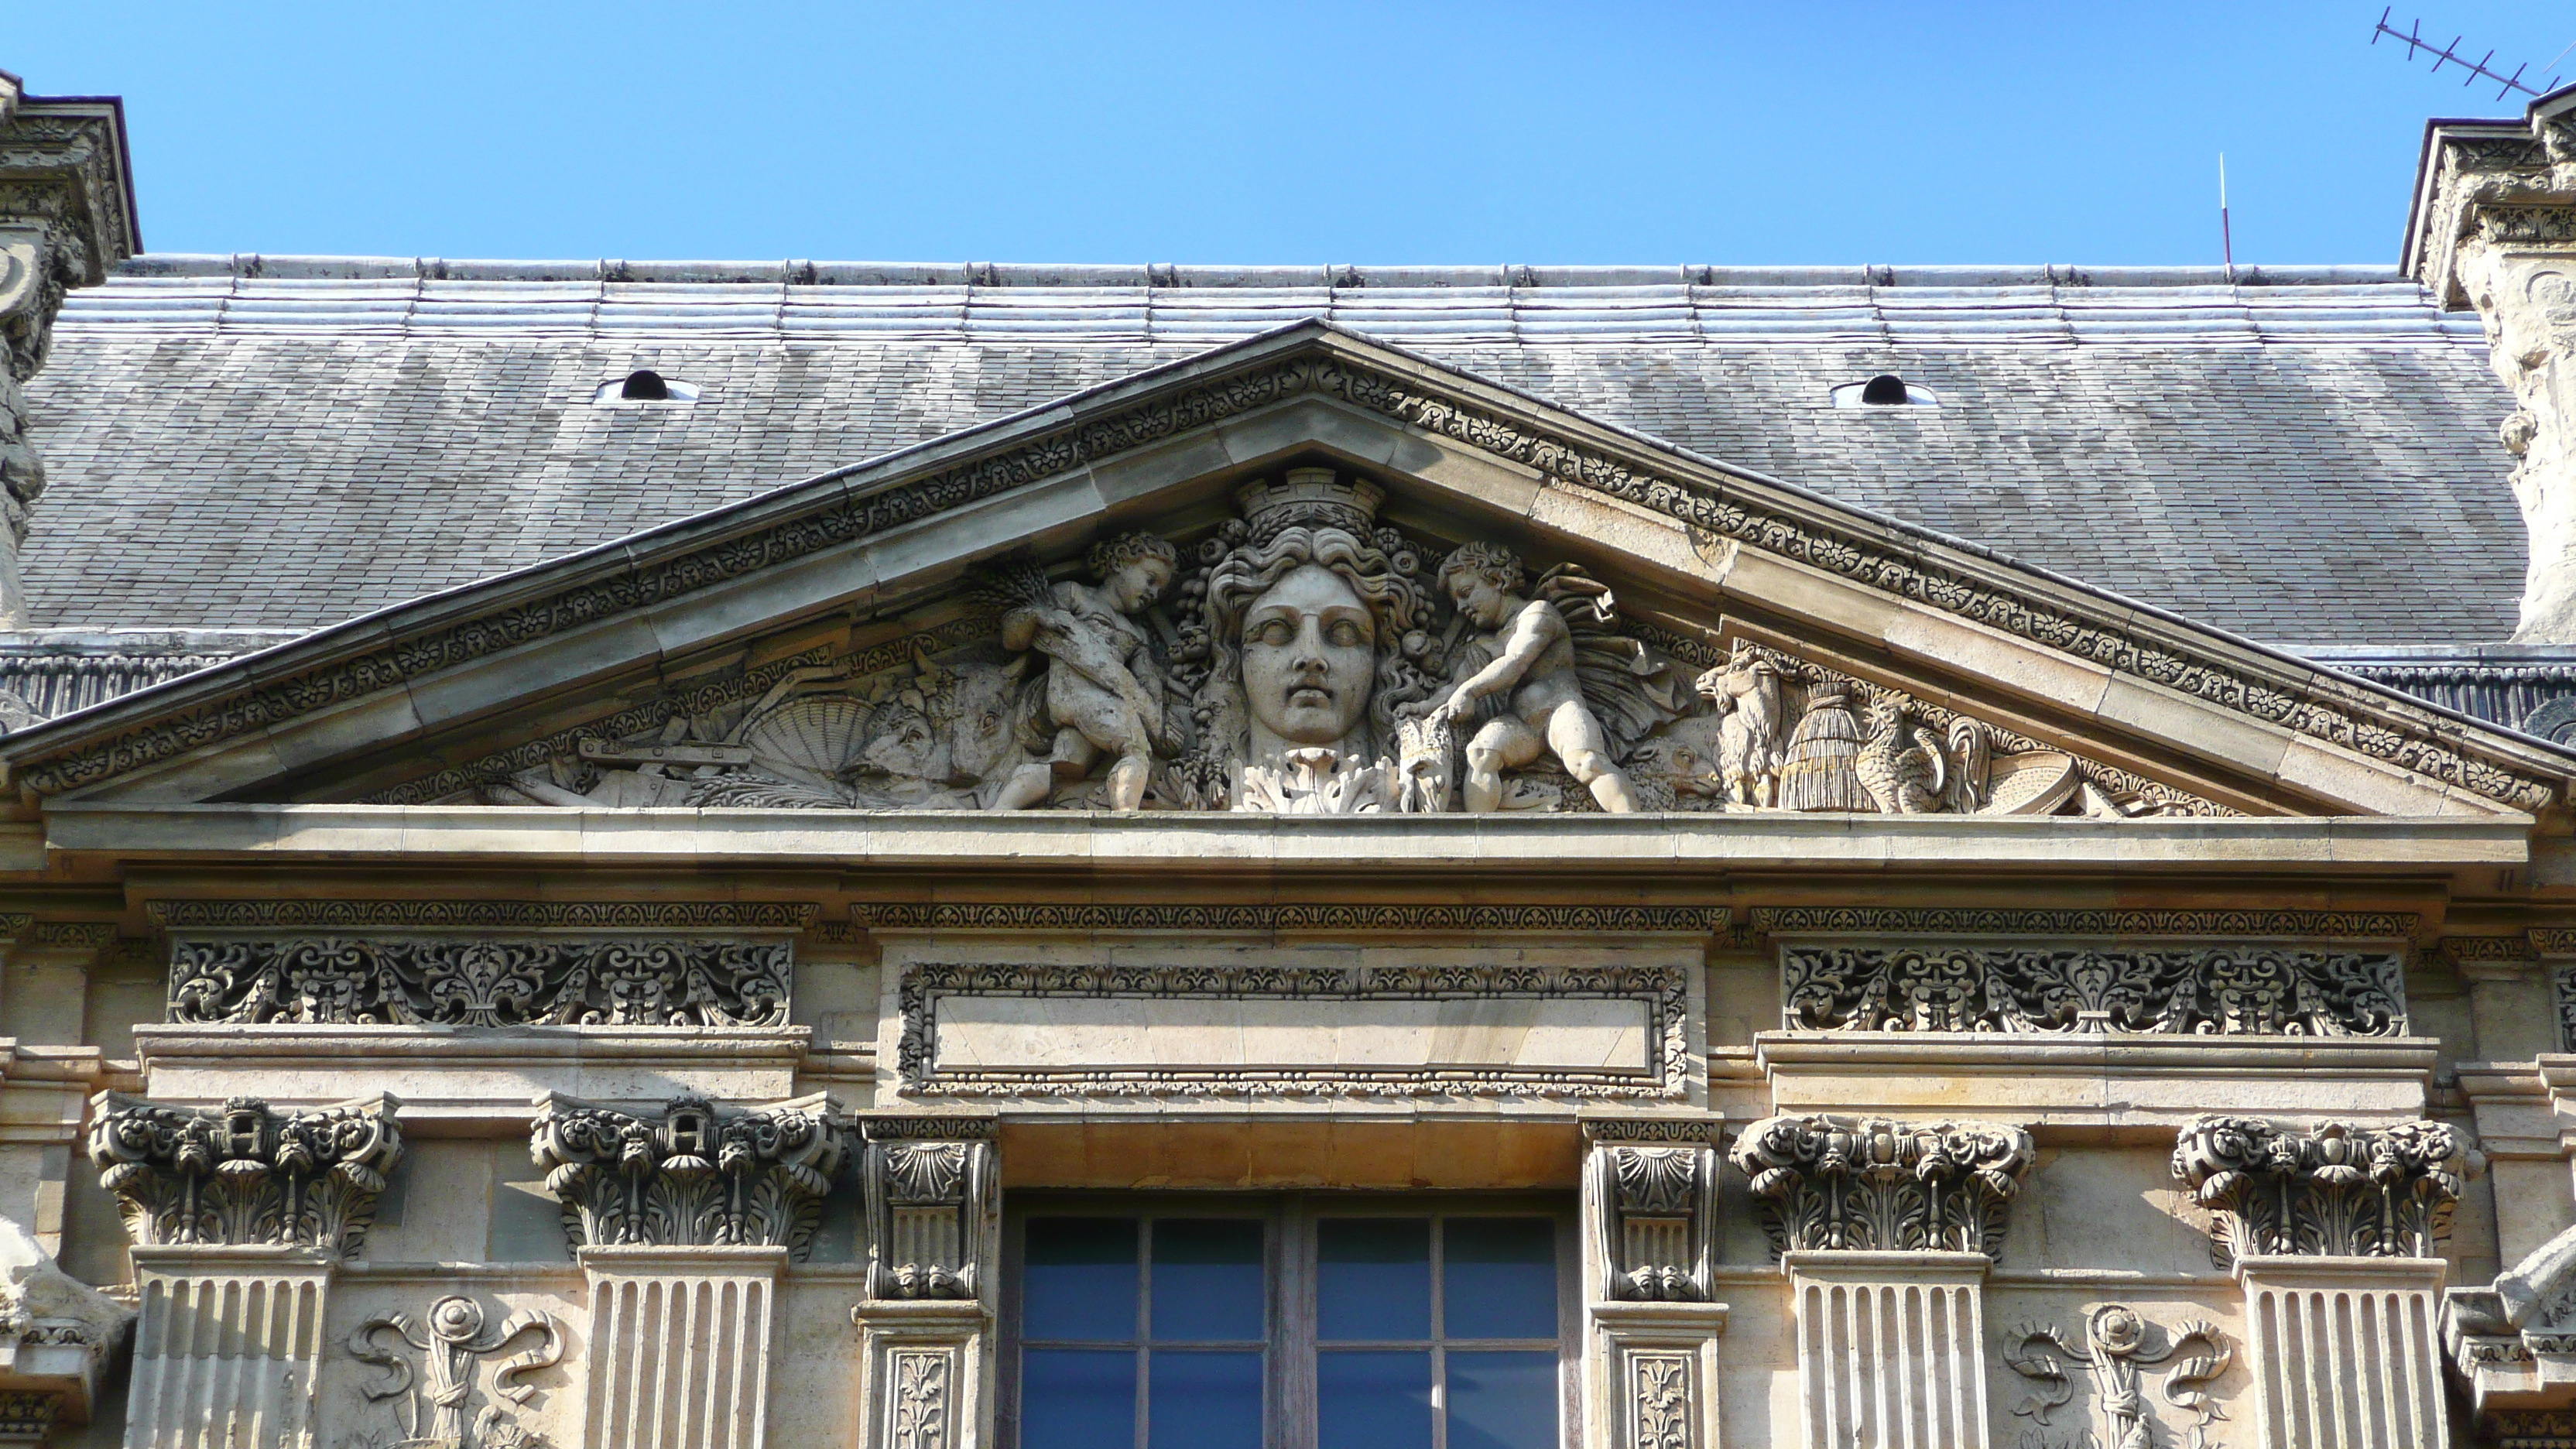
point(1047, 1034)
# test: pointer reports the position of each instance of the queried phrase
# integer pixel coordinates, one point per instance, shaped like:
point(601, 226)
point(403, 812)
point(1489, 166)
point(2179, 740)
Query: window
point(1886, 390)
point(1304, 1323)
point(642, 386)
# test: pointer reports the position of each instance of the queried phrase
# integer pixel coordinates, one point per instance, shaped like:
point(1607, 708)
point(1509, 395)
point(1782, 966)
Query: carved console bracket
point(2328, 1190)
point(1650, 1197)
point(933, 1191)
point(2512, 1346)
point(2188, 988)
point(245, 1176)
point(1869, 1184)
point(56, 1335)
point(695, 1176)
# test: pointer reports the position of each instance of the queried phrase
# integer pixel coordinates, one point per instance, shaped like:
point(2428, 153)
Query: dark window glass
point(1207, 1280)
point(1203, 1400)
point(1373, 1279)
point(1498, 1278)
point(645, 387)
point(1079, 1281)
point(1884, 390)
point(1077, 1398)
point(1502, 1400)
point(1372, 1399)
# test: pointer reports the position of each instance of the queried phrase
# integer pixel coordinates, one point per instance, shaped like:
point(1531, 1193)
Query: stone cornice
point(431, 915)
point(411, 642)
point(2513, 182)
point(2013, 921)
point(1194, 918)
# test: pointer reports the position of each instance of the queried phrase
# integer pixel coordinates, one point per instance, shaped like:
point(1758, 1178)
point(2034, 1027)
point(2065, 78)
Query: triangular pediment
point(944, 628)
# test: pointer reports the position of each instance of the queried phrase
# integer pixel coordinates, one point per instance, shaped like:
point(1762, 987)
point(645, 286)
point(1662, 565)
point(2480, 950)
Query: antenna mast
point(2226, 239)
point(2415, 41)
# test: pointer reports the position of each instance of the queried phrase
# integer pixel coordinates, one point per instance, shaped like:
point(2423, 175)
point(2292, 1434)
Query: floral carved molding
point(2207, 988)
point(1661, 990)
point(695, 1176)
point(2327, 1190)
point(1832, 1183)
point(461, 980)
point(244, 1175)
point(1637, 475)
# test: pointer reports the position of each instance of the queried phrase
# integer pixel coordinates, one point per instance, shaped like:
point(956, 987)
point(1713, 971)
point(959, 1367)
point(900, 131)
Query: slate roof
point(2307, 457)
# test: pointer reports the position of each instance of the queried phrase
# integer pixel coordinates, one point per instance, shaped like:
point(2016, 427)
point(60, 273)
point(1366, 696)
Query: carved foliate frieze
point(2332, 1189)
point(242, 1175)
point(822, 729)
point(1656, 1203)
point(459, 980)
point(2531, 1428)
point(1834, 1183)
point(694, 1176)
point(2203, 988)
point(451, 1343)
point(932, 1184)
point(1661, 991)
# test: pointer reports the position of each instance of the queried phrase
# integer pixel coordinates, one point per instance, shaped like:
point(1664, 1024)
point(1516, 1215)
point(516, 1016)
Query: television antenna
point(2448, 54)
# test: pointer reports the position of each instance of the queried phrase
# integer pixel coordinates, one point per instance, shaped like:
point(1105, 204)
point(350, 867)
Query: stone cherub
point(1518, 676)
point(1104, 684)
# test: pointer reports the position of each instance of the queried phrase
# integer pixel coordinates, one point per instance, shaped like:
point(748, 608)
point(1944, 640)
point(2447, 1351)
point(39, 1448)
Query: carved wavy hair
point(1395, 602)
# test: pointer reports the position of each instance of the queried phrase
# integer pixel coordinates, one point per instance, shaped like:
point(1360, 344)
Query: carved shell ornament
point(1305, 658)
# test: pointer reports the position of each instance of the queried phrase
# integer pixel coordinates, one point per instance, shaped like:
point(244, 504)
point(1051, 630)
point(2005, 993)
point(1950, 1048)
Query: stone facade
point(1031, 926)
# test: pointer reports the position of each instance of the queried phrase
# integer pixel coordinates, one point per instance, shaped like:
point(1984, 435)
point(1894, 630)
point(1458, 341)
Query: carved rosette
point(931, 1183)
point(245, 1175)
point(1654, 1191)
point(2194, 990)
point(482, 981)
point(1870, 1184)
point(694, 1176)
point(2329, 1190)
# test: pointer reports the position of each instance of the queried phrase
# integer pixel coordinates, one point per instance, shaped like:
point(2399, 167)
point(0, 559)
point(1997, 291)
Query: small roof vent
point(1886, 390)
point(643, 386)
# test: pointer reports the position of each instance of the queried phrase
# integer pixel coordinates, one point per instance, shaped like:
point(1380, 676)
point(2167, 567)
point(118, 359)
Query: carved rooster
point(1747, 694)
point(1901, 763)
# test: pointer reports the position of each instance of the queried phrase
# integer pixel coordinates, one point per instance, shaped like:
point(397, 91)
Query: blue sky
point(1615, 131)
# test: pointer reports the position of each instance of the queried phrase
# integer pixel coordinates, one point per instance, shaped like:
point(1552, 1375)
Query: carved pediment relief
point(1301, 656)
point(1303, 574)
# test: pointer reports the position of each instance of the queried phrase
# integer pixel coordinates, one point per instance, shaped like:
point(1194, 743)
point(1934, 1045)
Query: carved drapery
point(695, 1176)
point(244, 1175)
point(2184, 989)
point(1869, 1184)
point(2328, 1190)
point(482, 981)
point(1653, 1190)
point(932, 1183)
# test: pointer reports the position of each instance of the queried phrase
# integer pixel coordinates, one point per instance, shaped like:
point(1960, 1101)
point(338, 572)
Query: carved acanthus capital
point(932, 1184)
point(243, 1175)
point(2328, 1190)
point(1653, 1196)
point(1836, 1183)
point(693, 1176)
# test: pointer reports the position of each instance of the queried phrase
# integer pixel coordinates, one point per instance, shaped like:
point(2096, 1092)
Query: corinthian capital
point(693, 1176)
point(243, 1175)
point(1871, 1184)
point(2328, 1190)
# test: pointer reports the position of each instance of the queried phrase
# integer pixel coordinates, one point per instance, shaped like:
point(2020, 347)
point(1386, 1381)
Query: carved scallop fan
point(818, 736)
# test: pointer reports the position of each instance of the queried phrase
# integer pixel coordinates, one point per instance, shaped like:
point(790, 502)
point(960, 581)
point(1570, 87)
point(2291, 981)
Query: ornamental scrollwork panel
point(451, 1344)
point(1834, 1183)
point(2328, 1190)
point(245, 1175)
point(463, 980)
point(696, 1175)
point(2187, 989)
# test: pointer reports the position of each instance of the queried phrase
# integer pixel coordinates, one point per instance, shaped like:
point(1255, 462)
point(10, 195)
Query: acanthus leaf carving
point(2333, 1189)
point(1835, 1183)
point(696, 1175)
point(2200, 988)
point(242, 1175)
point(458, 980)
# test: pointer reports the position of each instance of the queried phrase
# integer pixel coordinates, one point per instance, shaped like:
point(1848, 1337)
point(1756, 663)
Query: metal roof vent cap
point(1886, 390)
point(643, 386)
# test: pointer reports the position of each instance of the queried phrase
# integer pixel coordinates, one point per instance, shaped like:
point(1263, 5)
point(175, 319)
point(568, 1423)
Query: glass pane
point(1080, 1279)
point(1373, 1278)
point(1373, 1400)
point(1203, 1400)
point(1077, 1398)
point(1501, 1278)
point(1207, 1279)
point(1502, 1400)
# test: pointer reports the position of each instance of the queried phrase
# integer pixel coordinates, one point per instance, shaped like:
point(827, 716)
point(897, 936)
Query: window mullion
point(1293, 1328)
point(1144, 1330)
point(1439, 1332)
